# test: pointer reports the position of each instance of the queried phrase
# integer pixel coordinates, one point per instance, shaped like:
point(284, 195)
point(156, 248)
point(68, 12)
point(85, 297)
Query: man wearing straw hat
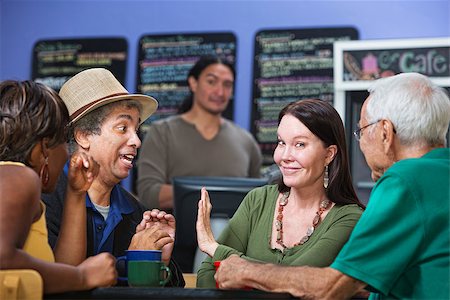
point(105, 119)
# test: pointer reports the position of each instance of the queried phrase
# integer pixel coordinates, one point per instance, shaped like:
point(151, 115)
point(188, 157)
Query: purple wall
point(23, 22)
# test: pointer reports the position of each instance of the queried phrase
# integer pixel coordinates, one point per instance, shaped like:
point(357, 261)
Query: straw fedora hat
point(96, 87)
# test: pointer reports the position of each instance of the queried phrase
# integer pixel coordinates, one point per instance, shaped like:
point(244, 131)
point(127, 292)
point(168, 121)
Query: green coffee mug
point(147, 273)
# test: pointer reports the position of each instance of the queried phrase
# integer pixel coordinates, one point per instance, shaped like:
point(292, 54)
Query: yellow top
point(11, 163)
point(37, 241)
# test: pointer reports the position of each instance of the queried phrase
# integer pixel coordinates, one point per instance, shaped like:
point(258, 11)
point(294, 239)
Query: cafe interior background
point(25, 22)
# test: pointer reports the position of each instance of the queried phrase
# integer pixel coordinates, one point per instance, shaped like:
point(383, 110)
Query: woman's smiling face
point(300, 154)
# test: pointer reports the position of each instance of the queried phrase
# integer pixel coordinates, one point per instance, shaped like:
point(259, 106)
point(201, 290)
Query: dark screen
point(226, 194)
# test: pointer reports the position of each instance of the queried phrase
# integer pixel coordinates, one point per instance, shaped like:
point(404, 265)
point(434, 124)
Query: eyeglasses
point(357, 132)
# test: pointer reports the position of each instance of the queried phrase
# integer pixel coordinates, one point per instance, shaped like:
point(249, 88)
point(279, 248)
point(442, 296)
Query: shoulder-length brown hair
point(324, 122)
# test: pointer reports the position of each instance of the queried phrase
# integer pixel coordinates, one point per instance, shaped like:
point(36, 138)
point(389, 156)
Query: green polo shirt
point(400, 246)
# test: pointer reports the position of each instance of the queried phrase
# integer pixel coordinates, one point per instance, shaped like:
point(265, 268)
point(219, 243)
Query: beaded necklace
point(324, 204)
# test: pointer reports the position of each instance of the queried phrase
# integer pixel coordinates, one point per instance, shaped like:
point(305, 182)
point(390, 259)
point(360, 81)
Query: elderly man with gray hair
point(400, 246)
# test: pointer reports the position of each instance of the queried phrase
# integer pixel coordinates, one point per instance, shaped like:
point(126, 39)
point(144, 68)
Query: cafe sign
point(369, 60)
point(358, 63)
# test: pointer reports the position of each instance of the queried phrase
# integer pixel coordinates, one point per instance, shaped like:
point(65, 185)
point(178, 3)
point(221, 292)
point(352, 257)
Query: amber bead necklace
point(324, 204)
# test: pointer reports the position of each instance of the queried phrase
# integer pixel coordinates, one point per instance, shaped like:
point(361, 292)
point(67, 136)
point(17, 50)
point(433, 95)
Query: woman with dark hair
point(309, 215)
point(199, 141)
point(321, 119)
point(33, 134)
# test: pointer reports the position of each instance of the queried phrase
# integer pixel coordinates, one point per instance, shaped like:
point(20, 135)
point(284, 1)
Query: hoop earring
point(44, 174)
point(326, 179)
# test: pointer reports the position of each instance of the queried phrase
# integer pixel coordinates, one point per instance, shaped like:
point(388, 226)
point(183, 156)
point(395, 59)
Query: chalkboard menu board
point(165, 61)
point(55, 61)
point(289, 65)
point(373, 64)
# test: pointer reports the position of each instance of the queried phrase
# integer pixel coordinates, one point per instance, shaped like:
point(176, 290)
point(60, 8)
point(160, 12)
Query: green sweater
point(248, 234)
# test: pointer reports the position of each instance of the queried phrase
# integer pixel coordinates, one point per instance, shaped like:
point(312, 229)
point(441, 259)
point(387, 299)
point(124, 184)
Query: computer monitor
point(226, 194)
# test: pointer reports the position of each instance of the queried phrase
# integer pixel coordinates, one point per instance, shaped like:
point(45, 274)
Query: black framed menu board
point(165, 60)
point(55, 61)
point(289, 65)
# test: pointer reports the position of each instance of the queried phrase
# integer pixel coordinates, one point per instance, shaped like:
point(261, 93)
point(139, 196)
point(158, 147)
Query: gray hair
point(418, 109)
point(92, 122)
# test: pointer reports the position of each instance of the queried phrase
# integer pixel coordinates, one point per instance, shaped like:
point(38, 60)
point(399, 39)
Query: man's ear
point(331, 154)
point(192, 83)
point(82, 139)
point(388, 135)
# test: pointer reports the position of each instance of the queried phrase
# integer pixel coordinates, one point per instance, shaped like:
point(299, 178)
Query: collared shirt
point(400, 245)
point(103, 230)
point(118, 235)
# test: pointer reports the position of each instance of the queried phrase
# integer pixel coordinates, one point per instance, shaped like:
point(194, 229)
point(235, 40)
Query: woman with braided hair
point(33, 134)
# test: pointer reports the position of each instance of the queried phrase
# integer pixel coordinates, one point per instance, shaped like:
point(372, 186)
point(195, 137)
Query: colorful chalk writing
point(55, 61)
point(165, 60)
point(289, 65)
point(374, 64)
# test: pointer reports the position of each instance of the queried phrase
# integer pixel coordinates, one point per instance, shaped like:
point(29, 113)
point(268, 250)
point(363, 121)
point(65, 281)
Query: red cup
point(216, 266)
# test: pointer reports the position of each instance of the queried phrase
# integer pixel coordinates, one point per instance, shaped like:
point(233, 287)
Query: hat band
point(83, 108)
